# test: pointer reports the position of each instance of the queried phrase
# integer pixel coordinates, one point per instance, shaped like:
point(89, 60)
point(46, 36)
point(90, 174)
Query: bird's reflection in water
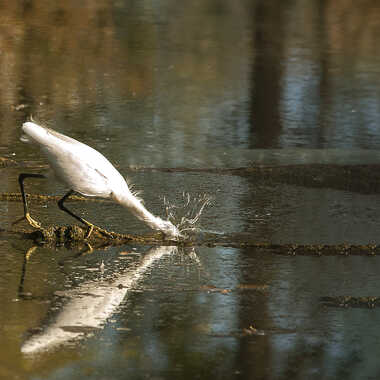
point(90, 304)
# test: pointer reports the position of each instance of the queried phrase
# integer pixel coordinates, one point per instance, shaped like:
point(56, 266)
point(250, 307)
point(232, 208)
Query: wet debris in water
point(123, 329)
point(7, 162)
point(19, 107)
point(214, 289)
point(252, 287)
point(80, 329)
point(350, 302)
point(251, 330)
point(243, 240)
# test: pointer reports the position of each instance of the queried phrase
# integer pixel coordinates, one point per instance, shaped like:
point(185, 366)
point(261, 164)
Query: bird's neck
point(135, 206)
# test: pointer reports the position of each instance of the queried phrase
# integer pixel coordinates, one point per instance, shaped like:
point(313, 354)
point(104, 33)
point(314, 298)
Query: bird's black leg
point(84, 221)
point(63, 208)
point(27, 255)
point(27, 216)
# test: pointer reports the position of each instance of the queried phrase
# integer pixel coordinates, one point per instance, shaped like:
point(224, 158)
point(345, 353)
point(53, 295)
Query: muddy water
point(269, 108)
point(178, 313)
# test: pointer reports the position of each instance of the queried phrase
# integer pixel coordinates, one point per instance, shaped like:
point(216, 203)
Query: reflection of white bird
point(88, 306)
point(86, 171)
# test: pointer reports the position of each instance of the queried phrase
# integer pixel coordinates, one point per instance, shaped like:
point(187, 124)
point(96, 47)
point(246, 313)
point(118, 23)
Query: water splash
point(187, 215)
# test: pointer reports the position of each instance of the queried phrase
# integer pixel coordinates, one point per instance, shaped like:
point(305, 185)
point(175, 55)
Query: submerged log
point(351, 302)
point(75, 236)
point(242, 240)
point(41, 198)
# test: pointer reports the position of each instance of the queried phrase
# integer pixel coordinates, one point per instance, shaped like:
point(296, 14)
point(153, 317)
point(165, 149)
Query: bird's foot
point(89, 231)
point(30, 220)
point(87, 250)
point(29, 252)
point(92, 227)
point(110, 235)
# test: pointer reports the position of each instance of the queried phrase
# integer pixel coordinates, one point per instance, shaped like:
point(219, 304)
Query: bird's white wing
point(83, 169)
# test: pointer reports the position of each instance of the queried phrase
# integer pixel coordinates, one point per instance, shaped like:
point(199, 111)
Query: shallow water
point(197, 90)
point(185, 318)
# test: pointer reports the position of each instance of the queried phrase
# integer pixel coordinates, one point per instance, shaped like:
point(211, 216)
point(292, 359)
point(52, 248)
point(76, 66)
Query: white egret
point(84, 170)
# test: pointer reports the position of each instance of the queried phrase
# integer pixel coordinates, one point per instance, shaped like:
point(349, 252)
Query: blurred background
point(194, 76)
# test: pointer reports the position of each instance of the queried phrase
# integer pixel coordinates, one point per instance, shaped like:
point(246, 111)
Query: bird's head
point(169, 229)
